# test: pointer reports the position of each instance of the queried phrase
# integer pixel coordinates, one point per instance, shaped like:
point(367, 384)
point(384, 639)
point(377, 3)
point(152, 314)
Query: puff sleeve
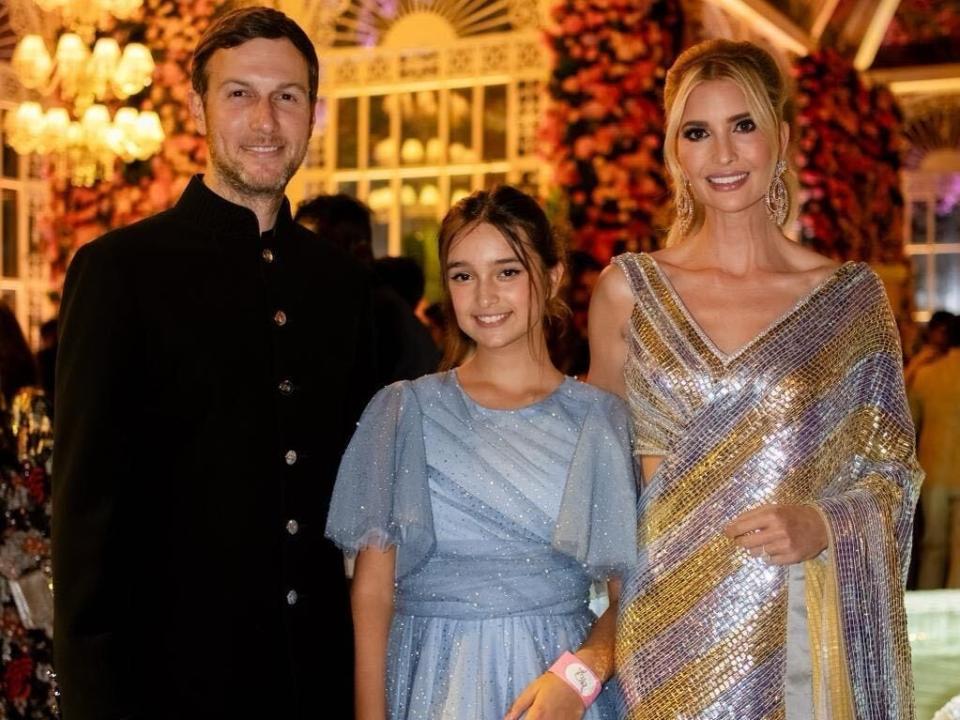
point(381, 497)
point(597, 523)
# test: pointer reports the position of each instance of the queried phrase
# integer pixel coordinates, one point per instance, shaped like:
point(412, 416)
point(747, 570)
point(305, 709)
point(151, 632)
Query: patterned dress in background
point(502, 519)
point(811, 411)
point(26, 655)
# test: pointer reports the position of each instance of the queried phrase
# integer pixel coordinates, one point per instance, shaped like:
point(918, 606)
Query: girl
point(483, 501)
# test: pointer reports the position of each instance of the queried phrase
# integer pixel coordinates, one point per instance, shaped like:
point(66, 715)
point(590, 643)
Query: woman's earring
point(684, 203)
point(776, 197)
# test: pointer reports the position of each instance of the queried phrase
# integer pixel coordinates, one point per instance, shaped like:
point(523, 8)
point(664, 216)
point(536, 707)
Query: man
point(213, 360)
point(935, 403)
point(405, 349)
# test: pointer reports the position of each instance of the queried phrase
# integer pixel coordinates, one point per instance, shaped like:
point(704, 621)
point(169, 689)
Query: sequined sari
point(811, 411)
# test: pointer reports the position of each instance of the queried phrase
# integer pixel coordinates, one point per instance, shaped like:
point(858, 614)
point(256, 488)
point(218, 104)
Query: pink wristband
point(578, 676)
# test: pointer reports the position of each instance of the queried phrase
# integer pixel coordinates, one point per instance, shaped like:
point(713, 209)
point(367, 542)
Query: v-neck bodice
point(727, 357)
point(674, 368)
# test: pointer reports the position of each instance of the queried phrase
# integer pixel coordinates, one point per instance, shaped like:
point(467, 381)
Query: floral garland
point(75, 215)
point(849, 159)
point(603, 127)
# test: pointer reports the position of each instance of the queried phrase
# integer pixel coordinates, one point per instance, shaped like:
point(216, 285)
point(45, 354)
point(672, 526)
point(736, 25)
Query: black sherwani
point(208, 380)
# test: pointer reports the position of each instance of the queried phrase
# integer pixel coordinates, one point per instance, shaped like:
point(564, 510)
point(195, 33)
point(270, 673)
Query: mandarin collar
point(219, 217)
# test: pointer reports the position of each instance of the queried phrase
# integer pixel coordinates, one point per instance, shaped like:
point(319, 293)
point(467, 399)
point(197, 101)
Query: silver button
point(292, 597)
point(285, 387)
point(293, 527)
point(290, 457)
point(267, 255)
point(280, 318)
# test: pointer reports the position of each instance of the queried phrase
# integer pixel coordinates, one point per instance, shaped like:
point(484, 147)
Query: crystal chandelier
point(74, 83)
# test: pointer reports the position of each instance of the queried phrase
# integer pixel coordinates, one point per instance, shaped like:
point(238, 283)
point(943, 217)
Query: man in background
point(405, 348)
point(935, 404)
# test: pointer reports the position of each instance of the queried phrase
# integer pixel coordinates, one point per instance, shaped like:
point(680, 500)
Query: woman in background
point(483, 501)
point(766, 388)
point(26, 441)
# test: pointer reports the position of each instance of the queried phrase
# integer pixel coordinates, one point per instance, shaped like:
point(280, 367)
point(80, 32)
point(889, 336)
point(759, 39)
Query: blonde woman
point(766, 390)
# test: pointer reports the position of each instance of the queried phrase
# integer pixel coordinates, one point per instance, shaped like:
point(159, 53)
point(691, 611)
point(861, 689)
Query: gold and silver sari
point(812, 411)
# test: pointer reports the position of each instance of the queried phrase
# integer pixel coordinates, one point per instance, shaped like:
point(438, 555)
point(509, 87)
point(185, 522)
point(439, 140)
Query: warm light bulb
point(72, 55)
point(148, 134)
point(95, 121)
point(411, 152)
point(23, 127)
point(105, 57)
point(31, 62)
point(55, 126)
point(429, 195)
point(134, 72)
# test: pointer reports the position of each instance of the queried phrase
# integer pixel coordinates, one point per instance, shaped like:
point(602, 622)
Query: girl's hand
point(783, 534)
point(547, 698)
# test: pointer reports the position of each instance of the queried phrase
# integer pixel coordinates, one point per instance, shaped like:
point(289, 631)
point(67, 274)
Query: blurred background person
point(47, 358)
point(571, 349)
point(935, 404)
point(437, 323)
point(419, 353)
point(935, 344)
point(405, 350)
point(26, 602)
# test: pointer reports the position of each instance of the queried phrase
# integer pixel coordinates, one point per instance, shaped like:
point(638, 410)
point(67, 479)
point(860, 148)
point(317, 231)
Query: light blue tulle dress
point(502, 519)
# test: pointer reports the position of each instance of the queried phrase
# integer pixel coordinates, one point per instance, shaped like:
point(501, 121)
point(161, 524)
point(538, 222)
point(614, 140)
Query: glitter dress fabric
point(502, 519)
point(811, 411)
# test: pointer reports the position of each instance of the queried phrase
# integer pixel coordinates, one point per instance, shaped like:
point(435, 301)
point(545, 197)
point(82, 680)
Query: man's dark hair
point(17, 368)
point(940, 318)
point(341, 219)
point(404, 275)
point(244, 24)
point(953, 331)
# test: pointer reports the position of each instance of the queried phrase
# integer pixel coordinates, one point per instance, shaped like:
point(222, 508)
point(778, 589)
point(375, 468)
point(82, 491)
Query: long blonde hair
point(756, 73)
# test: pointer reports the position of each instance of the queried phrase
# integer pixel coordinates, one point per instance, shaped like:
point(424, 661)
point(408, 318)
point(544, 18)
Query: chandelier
point(72, 126)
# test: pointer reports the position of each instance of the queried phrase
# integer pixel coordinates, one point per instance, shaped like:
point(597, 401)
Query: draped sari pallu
point(811, 411)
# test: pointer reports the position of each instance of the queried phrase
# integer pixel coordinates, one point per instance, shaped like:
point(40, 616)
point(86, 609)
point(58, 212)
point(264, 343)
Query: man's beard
point(246, 184)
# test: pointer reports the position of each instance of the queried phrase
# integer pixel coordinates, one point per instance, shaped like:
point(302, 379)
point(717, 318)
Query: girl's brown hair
point(525, 227)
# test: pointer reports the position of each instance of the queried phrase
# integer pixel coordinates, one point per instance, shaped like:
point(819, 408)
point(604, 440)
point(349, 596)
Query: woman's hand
point(783, 534)
point(546, 698)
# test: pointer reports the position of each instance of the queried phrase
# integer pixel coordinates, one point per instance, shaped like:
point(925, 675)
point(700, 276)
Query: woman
point(483, 501)
point(766, 390)
point(26, 439)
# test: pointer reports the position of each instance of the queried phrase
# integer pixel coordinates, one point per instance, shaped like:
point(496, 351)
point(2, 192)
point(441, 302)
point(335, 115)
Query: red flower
point(36, 484)
point(16, 676)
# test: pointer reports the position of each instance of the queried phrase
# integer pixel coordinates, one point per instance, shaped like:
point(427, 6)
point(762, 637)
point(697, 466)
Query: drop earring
point(684, 206)
point(776, 197)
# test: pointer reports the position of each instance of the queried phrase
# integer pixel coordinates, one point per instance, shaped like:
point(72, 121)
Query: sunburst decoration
point(366, 22)
point(935, 125)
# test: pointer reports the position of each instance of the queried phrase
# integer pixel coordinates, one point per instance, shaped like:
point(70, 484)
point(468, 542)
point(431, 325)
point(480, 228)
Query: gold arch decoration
point(378, 23)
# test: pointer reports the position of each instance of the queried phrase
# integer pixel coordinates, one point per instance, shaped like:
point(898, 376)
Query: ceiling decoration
point(931, 124)
point(369, 23)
